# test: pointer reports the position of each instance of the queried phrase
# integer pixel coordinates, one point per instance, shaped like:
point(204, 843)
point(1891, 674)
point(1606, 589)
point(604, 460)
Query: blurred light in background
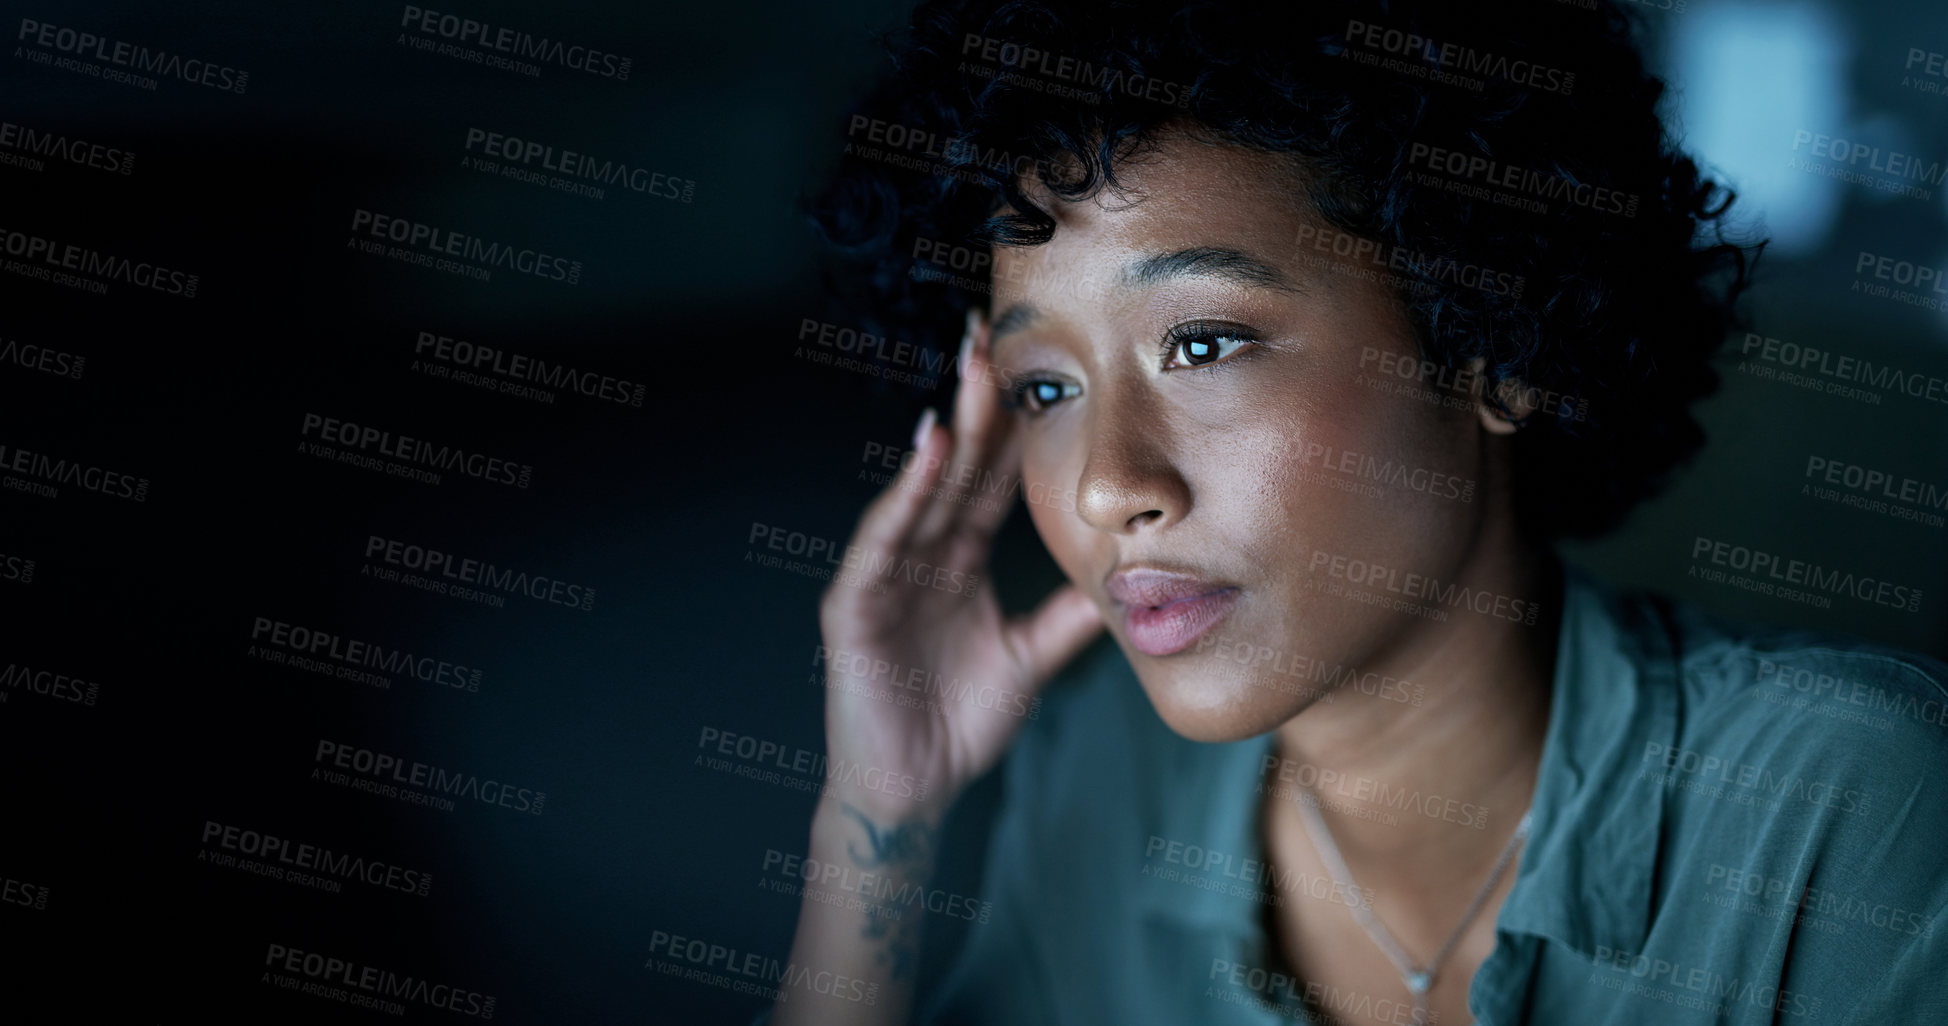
point(1754, 75)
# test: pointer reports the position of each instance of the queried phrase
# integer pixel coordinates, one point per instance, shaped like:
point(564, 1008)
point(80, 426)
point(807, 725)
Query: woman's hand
point(925, 680)
point(926, 683)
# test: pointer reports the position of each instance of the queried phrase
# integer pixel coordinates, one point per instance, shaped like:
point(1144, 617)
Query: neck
point(1464, 755)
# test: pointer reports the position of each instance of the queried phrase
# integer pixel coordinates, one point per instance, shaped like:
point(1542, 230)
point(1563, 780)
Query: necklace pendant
point(1418, 983)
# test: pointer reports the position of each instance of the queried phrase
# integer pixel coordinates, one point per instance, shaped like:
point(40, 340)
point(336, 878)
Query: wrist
point(889, 796)
point(897, 838)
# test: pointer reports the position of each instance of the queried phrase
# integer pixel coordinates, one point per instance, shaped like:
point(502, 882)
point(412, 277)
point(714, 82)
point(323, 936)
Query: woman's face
point(1211, 437)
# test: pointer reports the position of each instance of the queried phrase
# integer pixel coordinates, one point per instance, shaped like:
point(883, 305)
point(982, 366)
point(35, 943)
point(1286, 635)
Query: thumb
point(1049, 637)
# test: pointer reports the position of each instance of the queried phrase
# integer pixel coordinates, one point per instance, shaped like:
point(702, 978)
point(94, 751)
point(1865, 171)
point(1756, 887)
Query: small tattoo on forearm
point(904, 844)
point(907, 847)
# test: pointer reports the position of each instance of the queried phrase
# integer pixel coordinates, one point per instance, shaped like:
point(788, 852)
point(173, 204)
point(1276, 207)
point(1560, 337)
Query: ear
point(1513, 393)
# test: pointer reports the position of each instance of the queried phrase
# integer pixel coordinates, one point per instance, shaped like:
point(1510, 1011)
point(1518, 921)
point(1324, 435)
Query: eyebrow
point(1015, 318)
point(1230, 265)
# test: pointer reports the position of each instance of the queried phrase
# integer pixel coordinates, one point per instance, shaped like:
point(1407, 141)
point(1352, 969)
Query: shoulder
point(1804, 797)
point(1775, 795)
point(1835, 720)
point(1812, 700)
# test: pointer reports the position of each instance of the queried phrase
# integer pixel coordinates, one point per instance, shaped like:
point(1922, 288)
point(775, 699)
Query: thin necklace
point(1419, 979)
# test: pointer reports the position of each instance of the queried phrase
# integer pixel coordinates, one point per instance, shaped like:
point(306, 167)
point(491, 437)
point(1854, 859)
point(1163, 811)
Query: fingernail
point(966, 346)
point(920, 430)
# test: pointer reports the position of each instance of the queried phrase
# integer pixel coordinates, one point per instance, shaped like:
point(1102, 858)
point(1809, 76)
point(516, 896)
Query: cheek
point(1333, 471)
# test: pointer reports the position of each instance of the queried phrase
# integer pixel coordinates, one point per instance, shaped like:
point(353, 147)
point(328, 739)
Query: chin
point(1203, 706)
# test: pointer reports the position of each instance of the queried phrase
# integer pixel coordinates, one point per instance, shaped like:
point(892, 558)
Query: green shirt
point(1729, 826)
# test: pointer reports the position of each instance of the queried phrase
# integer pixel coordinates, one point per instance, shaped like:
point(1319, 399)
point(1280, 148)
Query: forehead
point(1176, 192)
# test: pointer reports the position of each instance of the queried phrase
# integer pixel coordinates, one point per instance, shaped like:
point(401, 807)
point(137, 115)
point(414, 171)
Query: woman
point(1308, 330)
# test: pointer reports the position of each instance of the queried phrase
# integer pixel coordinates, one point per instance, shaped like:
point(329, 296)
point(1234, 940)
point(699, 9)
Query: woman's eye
point(1201, 346)
point(1038, 394)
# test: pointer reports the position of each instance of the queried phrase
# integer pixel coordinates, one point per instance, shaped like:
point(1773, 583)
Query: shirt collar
point(1585, 874)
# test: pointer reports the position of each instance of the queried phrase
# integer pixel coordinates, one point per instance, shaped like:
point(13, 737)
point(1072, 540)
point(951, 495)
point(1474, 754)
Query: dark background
point(700, 301)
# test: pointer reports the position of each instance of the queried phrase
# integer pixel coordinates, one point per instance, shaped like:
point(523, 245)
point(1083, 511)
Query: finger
point(996, 445)
point(888, 524)
point(978, 495)
point(978, 418)
point(1046, 639)
point(1002, 480)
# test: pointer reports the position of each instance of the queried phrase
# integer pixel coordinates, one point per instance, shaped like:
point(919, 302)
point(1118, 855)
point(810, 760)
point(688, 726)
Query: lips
point(1165, 611)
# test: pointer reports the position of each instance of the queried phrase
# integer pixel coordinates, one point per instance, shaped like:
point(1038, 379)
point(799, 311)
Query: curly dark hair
point(1520, 136)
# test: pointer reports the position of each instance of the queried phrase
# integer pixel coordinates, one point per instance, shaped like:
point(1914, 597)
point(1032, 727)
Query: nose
point(1129, 481)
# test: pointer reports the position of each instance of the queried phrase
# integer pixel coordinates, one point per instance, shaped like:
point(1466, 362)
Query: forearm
point(865, 855)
